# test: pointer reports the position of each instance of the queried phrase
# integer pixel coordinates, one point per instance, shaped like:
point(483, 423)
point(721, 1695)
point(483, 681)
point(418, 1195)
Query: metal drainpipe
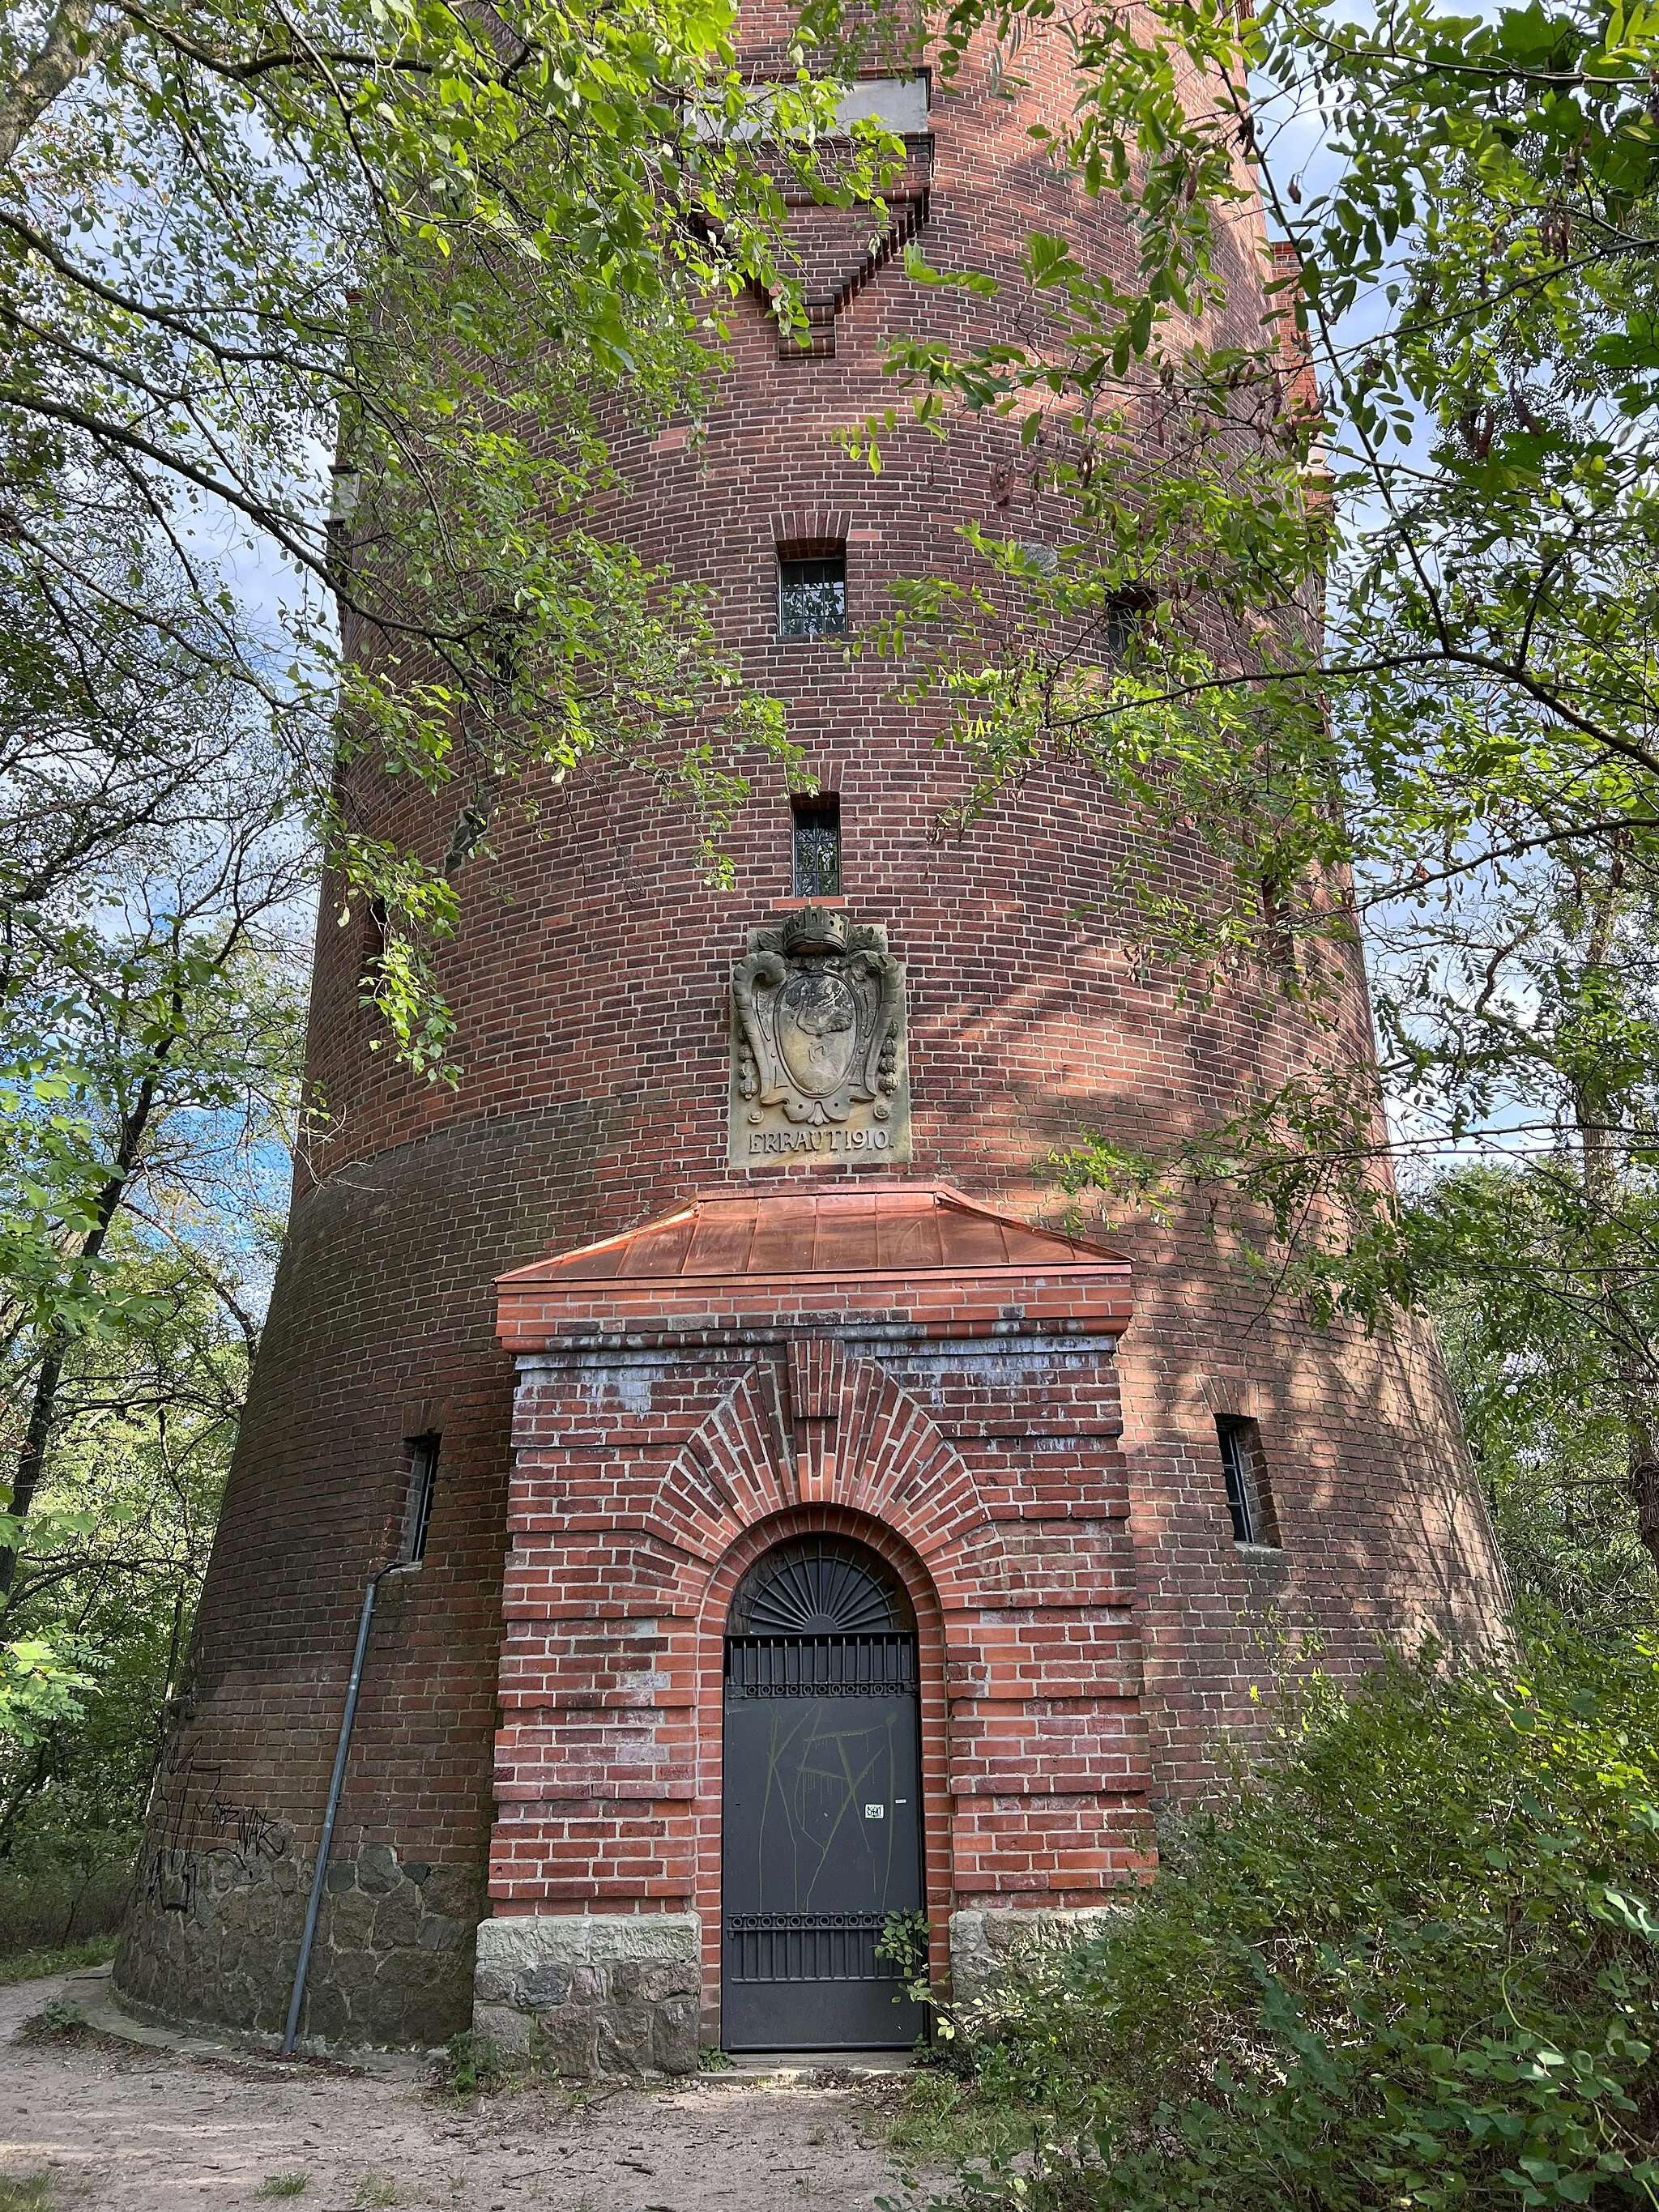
point(314, 1907)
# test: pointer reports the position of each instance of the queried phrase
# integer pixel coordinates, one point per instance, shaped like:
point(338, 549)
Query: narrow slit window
point(812, 589)
point(1249, 1501)
point(422, 1480)
point(817, 847)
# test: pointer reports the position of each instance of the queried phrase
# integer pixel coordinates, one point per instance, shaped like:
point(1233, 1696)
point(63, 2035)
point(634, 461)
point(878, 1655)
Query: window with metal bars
point(812, 589)
point(818, 845)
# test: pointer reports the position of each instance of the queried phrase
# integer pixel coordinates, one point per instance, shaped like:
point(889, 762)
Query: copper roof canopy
point(856, 1230)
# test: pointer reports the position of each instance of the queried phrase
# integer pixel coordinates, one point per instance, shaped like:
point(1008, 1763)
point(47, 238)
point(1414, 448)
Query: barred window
point(818, 845)
point(812, 589)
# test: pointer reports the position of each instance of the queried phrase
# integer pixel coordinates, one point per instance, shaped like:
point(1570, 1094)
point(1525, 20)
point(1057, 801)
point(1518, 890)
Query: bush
point(51, 1903)
point(1414, 1961)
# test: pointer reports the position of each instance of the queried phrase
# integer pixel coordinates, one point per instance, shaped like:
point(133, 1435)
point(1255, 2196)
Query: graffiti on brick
point(196, 1825)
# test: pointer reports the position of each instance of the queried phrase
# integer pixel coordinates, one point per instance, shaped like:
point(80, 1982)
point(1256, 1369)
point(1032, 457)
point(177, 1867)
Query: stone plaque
point(818, 1071)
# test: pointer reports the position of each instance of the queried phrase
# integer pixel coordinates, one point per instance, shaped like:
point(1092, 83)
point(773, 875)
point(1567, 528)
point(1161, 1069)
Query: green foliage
point(1351, 602)
point(28, 2192)
point(903, 1942)
point(1500, 1257)
point(284, 2185)
point(60, 2020)
point(40, 1683)
point(1415, 1960)
point(978, 2112)
point(448, 251)
point(474, 2066)
point(35, 1965)
point(111, 1565)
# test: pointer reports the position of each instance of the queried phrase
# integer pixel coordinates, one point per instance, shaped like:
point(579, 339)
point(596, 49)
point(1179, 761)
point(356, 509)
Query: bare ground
point(121, 2128)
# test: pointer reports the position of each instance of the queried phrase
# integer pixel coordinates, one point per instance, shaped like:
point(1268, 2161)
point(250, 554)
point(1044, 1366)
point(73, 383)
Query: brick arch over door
point(820, 1427)
point(822, 1442)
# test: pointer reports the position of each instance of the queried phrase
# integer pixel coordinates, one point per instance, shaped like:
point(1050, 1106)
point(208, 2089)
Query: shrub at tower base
point(1415, 1960)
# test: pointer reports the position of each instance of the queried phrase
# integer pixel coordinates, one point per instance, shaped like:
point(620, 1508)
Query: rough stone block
point(674, 2034)
point(454, 1890)
point(491, 1986)
point(541, 1987)
point(377, 1871)
point(639, 1977)
point(570, 2036)
point(542, 1938)
point(508, 2029)
point(625, 2036)
point(398, 1920)
point(614, 1993)
point(349, 1921)
point(986, 1944)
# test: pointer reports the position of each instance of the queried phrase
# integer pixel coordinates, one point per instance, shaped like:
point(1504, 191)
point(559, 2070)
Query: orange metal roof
point(852, 1229)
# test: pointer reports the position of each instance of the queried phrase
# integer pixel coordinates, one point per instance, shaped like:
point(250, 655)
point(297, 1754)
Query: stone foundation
point(214, 1936)
point(593, 1994)
point(984, 1946)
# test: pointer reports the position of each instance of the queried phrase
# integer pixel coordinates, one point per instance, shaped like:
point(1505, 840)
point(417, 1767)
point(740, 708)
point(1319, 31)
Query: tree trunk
point(1645, 1472)
point(70, 49)
point(1633, 1354)
point(43, 1410)
point(31, 1458)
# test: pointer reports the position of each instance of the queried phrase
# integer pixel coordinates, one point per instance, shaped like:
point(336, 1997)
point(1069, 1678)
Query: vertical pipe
point(340, 1757)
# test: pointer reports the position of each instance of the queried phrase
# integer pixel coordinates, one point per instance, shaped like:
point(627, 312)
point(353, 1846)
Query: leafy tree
point(1547, 1441)
point(1356, 608)
point(105, 1592)
point(151, 1045)
point(150, 1003)
point(438, 242)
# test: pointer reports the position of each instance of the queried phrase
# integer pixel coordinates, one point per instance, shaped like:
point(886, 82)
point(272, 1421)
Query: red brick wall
point(591, 981)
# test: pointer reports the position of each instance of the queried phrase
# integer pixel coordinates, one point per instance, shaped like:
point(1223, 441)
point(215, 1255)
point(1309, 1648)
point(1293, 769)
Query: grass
point(942, 2118)
point(32, 1965)
point(26, 2192)
point(375, 2189)
point(285, 2185)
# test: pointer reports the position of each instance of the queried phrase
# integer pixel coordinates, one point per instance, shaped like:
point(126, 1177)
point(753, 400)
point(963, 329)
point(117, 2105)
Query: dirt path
point(123, 2129)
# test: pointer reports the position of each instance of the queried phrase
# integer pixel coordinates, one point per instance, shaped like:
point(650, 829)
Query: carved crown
point(814, 929)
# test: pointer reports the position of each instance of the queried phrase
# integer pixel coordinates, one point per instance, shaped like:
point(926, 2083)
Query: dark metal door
point(822, 1840)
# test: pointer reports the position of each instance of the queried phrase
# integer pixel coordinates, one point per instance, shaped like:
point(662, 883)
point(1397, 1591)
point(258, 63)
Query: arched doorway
point(821, 1838)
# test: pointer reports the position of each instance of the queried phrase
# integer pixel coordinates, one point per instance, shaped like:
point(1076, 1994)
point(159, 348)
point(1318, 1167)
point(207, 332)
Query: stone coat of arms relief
point(818, 1068)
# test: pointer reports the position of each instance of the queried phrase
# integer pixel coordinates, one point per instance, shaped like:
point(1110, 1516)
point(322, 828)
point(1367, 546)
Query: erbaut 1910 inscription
point(818, 1070)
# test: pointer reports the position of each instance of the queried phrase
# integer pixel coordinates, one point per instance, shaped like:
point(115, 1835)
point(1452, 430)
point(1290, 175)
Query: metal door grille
point(805, 1946)
point(820, 1666)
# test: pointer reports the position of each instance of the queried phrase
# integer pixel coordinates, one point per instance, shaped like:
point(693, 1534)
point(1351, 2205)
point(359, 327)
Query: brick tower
point(794, 1527)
